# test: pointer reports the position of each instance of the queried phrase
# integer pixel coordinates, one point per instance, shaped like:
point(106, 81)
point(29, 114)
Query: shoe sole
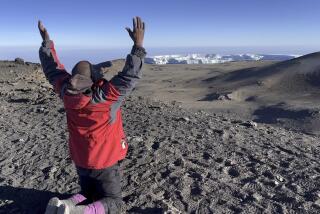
point(53, 205)
point(63, 209)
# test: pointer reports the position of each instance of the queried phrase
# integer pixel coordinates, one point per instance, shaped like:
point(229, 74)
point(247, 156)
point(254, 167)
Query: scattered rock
point(251, 98)
point(184, 119)
point(19, 61)
point(249, 124)
point(224, 97)
point(218, 131)
point(209, 131)
point(40, 110)
point(199, 136)
point(236, 121)
point(154, 106)
point(280, 178)
point(257, 197)
point(20, 140)
point(230, 162)
point(137, 139)
point(259, 83)
point(317, 202)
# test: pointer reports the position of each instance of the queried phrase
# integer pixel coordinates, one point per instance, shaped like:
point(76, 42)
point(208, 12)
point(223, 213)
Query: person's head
point(84, 74)
point(85, 68)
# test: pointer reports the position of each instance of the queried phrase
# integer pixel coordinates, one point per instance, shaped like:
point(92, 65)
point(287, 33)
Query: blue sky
point(170, 23)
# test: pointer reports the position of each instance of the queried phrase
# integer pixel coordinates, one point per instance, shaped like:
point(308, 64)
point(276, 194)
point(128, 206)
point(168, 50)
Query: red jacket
point(96, 136)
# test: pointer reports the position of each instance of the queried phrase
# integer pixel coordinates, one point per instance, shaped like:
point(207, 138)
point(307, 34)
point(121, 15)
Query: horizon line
point(192, 46)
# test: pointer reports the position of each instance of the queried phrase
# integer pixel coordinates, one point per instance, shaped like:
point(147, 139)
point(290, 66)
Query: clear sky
point(170, 23)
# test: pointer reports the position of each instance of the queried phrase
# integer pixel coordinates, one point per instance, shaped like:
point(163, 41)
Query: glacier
point(214, 58)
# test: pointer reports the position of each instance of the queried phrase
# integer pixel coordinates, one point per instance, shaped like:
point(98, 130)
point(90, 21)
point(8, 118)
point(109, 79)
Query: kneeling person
point(96, 137)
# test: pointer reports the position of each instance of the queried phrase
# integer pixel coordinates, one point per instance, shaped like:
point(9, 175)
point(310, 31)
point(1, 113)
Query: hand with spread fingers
point(137, 34)
point(43, 31)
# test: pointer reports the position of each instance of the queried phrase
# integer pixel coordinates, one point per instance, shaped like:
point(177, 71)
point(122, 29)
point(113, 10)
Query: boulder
point(19, 61)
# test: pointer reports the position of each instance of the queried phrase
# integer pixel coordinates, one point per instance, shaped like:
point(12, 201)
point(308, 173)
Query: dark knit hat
point(84, 75)
point(81, 77)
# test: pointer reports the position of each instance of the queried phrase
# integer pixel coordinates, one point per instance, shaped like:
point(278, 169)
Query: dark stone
point(19, 61)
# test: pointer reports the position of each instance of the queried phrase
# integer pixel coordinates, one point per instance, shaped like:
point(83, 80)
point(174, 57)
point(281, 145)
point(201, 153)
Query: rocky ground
point(284, 94)
point(178, 162)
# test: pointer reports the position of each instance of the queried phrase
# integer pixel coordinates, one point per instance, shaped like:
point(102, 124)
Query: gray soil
point(285, 94)
point(179, 161)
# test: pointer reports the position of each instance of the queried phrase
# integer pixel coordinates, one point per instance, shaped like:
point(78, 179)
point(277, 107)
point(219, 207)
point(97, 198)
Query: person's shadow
point(14, 200)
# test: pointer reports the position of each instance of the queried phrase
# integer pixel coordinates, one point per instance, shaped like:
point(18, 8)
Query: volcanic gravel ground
point(178, 161)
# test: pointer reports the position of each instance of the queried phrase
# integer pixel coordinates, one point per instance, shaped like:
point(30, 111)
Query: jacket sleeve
point(122, 84)
point(52, 68)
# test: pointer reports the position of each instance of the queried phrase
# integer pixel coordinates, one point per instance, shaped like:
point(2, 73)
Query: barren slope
point(178, 161)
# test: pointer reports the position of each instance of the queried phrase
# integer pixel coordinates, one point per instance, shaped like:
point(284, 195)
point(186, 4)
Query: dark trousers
point(102, 185)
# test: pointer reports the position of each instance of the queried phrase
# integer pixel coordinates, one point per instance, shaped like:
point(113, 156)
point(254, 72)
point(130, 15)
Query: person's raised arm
point(52, 68)
point(123, 83)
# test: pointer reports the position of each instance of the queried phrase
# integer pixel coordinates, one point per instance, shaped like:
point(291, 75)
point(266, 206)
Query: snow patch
point(214, 58)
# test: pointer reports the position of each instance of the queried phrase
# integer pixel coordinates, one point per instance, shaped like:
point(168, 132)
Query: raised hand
point(137, 34)
point(43, 31)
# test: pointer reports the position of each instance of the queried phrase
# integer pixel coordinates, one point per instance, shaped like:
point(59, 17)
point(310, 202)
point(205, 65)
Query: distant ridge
point(291, 76)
